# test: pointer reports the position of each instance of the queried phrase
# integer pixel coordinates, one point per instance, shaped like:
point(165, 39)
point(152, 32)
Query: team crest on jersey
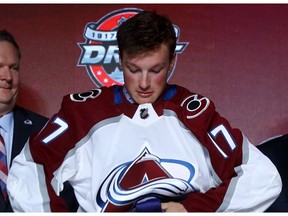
point(195, 105)
point(82, 97)
point(100, 51)
point(144, 177)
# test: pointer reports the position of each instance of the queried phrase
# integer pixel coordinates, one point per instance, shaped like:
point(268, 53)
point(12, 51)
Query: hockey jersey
point(116, 153)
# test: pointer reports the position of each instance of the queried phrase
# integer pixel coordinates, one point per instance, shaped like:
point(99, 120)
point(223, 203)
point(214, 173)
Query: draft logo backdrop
point(100, 51)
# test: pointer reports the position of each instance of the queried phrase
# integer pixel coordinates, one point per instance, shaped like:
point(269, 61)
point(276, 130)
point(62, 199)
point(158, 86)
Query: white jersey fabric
point(115, 153)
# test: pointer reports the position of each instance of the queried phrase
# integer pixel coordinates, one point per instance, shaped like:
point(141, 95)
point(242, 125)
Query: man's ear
point(172, 62)
point(120, 62)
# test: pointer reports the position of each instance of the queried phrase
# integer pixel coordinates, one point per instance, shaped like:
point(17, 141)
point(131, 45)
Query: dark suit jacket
point(276, 149)
point(27, 122)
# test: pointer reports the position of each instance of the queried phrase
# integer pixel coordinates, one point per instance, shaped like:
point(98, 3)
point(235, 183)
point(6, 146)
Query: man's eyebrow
point(159, 65)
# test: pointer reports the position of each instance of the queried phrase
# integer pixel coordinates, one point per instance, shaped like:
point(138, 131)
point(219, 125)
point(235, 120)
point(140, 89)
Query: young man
point(16, 123)
point(144, 146)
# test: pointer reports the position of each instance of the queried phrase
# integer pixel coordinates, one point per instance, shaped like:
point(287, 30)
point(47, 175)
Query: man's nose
point(5, 73)
point(144, 81)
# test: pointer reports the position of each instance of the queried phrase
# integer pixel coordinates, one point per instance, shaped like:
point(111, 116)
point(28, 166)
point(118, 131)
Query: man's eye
point(134, 70)
point(155, 70)
point(15, 68)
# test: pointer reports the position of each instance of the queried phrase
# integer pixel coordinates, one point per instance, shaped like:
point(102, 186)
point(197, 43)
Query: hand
point(173, 207)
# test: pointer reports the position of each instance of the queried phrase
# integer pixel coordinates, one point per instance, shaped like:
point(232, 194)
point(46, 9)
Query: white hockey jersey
point(115, 153)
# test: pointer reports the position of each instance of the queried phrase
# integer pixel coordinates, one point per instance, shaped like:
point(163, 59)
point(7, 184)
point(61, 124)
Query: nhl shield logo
point(144, 113)
point(100, 51)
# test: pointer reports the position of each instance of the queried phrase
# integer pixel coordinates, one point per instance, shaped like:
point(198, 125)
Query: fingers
point(173, 207)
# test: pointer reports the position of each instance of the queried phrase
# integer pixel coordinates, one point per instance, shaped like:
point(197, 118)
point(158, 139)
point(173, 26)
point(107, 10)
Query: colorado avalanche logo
point(100, 51)
point(144, 177)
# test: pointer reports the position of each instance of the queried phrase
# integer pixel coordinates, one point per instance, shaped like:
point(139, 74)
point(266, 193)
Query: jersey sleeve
point(246, 179)
point(38, 173)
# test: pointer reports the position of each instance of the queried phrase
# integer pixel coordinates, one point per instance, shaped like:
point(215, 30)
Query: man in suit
point(17, 123)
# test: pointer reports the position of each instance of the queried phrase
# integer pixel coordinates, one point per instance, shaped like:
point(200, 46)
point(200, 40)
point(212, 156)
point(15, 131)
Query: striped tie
point(3, 168)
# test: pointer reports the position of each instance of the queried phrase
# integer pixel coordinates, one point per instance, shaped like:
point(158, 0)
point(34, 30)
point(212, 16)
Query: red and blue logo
point(100, 51)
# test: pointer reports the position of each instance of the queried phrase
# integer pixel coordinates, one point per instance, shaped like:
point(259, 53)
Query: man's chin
point(145, 101)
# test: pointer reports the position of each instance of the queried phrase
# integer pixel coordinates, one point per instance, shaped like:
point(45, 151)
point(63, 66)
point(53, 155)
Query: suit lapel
point(22, 127)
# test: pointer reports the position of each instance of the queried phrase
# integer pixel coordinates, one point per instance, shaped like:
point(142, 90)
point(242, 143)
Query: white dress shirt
point(6, 130)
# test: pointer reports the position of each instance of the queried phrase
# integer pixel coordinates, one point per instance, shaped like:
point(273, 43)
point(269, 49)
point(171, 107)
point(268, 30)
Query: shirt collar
point(6, 122)
point(127, 95)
